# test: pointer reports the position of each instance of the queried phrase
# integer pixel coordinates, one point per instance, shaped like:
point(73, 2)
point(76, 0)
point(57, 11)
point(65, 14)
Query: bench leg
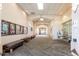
point(11, 50)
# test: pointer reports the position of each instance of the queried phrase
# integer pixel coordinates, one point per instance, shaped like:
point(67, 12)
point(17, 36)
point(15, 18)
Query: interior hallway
point(21, 21)
point(42, 46)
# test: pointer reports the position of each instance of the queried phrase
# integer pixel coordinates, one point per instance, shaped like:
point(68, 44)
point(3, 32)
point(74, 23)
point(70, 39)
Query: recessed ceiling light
point(40, 6)
point(41, 19)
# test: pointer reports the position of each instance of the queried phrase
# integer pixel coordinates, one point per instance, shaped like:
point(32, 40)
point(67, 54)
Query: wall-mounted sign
point(8, 28)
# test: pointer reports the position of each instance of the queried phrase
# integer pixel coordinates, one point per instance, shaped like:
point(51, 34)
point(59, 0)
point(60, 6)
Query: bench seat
point(12, 45)
point(27, 39)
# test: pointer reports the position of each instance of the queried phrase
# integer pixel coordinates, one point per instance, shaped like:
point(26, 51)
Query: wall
point(55, 27)
point(30, 24)
point(0, 29)
point(12, 13)
point(56, 24)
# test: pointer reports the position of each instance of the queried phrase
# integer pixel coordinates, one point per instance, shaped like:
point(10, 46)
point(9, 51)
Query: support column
point(75, 31)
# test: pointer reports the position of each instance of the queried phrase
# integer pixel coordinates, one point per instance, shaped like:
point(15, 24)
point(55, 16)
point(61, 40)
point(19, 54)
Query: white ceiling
point(49, 8)
point(49, 13)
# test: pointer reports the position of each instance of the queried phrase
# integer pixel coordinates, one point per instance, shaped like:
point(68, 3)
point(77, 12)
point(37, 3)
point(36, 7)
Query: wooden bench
point(11, 46)
point(27, 39)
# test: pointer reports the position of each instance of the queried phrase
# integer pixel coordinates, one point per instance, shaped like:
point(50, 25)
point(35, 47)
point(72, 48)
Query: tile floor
point(42, 46)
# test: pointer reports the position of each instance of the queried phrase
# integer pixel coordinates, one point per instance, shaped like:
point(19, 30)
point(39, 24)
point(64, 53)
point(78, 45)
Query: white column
point(75, 29)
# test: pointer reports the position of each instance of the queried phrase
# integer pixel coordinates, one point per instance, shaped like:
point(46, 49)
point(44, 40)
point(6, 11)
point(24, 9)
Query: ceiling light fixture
point(40, 6)
point(41, 19)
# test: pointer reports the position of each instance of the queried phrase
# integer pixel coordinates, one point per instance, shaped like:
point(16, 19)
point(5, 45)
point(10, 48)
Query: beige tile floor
point(43, 46)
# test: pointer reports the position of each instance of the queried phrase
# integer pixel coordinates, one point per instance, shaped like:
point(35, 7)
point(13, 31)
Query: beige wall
point(55, 27)
point(30, 24)
point(12, 13)
point(0, 30)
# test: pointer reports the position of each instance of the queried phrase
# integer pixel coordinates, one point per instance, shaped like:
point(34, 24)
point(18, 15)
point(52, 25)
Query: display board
point(12, 28)
point(18, 29)
point(9, 28)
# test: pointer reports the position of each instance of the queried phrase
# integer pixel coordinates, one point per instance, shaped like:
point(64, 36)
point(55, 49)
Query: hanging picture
point(4, 28)
point(18, 29)
point(12, 28)
point(22, 30)
point(26, 30)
